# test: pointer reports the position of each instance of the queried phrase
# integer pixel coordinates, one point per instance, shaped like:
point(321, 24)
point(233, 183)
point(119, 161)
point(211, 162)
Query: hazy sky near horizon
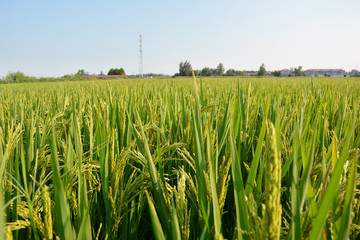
point(54, 38)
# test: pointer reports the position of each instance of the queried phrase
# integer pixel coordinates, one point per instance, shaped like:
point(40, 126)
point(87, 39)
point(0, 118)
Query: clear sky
point(54, 38)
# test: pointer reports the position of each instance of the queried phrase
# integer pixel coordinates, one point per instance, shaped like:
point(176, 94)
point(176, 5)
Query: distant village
point(282, 73)
point(310, 73)
point(185, 69)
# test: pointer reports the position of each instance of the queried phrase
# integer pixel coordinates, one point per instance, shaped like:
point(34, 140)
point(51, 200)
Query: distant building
point(286, 73)
point(249, 73)
point(354, 72)
point(325, 72)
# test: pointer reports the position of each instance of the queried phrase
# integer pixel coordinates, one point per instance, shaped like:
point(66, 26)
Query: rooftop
point(324, 69)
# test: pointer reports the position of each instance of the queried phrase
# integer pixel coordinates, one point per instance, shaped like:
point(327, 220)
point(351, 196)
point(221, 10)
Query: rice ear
point(271, 224)
point(48, 223)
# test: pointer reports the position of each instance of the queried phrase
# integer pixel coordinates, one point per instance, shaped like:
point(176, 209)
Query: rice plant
point(192, 158)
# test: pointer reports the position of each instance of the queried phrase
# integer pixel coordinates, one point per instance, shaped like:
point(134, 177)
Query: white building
point(249, 73)
point(286, 73)
point(325, 72)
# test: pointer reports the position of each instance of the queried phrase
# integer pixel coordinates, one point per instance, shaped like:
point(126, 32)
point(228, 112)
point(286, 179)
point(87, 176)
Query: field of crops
point(248, 158)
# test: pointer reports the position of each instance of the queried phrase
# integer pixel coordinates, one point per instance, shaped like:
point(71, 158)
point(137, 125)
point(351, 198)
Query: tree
point(197, 72)
point(276, 73)
point(81, 72)
point(121, 71)
point(15, 77)
point(116, 71)
point(298, 71)
point(207, 72)
point(220, 69)
point(111, 71)
point(262, 70)
point(185, 69)
point(232, 72)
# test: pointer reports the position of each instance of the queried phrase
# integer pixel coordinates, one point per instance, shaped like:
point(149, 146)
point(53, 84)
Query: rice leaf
point(242, 221)
point(63, 218)
point(157, 227)
point(255, 161)
point(331, 190)
point(346, 213)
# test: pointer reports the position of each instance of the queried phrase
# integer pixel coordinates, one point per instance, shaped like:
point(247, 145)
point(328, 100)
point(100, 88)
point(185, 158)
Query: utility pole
point(141, 73)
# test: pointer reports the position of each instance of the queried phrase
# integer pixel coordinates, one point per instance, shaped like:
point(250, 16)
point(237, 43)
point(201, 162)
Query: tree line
point(20, 77)
point(116, 71)
point(185, 69)
point(112, 71)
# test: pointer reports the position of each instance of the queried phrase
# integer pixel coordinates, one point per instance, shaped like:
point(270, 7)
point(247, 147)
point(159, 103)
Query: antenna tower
point(141, 73)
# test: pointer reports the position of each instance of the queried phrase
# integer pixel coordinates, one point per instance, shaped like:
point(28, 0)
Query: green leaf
point(296, 232)
point(175, 229)
point(331, 191)
point(307, 166)
point(63, 218)
point(158, 231)
point(157, 188)
point(214, 197)
point(2, 215)
point(255, 161)
point(346, 216)
point(85, 231)
point(242, 221)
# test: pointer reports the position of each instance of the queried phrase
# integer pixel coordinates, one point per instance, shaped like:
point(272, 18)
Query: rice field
point(226, 158)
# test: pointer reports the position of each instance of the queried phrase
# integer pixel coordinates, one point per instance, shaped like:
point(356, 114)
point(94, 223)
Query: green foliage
point(207, 72)
point(232, 73)
point(2, 217)
point(116, 71)
point(18, 77)
point(262, 70)
point(185, 69)
point(81, 72)
point(299, 72)
point(220, 70)
point(180, 158)
point(276, 73)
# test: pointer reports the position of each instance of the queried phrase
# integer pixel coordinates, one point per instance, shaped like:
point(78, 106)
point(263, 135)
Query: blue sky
point(54, 38)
